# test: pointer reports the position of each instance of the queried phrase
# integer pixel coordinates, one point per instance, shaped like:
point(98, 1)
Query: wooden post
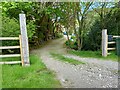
point(21, 52)
point(104, 42)
point(1, 50)
point(24, 40)
point(1, 77)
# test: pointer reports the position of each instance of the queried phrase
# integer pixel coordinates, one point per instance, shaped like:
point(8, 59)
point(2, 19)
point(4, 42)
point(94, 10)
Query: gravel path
point(94, 74)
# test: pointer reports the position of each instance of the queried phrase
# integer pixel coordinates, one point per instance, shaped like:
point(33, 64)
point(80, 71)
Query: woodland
point(84, 21)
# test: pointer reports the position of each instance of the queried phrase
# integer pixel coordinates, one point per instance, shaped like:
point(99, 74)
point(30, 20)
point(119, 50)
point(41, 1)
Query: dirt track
point(94, 74)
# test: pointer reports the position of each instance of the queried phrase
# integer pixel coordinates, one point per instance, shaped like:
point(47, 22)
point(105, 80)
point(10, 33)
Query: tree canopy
point(46, 20)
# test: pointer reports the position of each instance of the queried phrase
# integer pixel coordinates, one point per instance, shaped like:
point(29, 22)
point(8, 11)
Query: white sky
point(60, 0)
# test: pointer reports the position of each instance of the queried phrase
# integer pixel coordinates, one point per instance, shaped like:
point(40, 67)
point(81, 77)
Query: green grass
point(11, 59)
point(94, 54)
point(0, 76)
point(35, 76)
point(66, 59)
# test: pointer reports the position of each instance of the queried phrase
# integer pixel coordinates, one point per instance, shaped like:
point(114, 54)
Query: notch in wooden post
point(104, 42)
point(24, 40)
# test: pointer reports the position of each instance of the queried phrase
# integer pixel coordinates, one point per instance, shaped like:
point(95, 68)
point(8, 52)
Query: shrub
point(58, 35)
point(71, 44)
point(112, 23)
point(11, 28)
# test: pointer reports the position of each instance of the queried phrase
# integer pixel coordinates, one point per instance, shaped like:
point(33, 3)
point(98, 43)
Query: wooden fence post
point(21, 52)
point(104, 42)
point(24, 40)
point(1, 50)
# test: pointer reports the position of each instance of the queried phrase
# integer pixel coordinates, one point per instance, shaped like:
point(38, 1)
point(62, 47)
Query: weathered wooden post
point(24, 41)
point(0, 50)
point(104, 42)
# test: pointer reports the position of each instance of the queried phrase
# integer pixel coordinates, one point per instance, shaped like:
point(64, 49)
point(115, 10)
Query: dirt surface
point(94, 74)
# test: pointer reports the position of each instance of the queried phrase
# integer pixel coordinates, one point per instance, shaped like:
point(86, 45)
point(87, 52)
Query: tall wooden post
point(0, 50)
point(104, 42)
point(24, 40)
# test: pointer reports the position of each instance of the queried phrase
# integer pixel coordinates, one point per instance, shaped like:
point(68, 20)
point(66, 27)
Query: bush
point(58, 35)
point(11, 28)
point(92, 41)
point(31, 29)
point(73, 38)
point(112, 23)
point(71, 44)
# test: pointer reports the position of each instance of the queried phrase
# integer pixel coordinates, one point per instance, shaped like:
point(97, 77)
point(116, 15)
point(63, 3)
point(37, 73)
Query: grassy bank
point(94, 54)
point(66, 59)
point(35, 76)
point(0, 76)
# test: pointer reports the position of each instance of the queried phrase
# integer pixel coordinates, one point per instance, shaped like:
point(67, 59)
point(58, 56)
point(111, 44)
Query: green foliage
point(48, 19)
point(66, 59)
point(73, 37)
point(36, 15)
point(92, 41)
point(11, 28)
point(58, 35)
point(31, 29)
point(71, 44)
point(111, 22)
point(35, 76)
point(13, 9)
point(94, 54)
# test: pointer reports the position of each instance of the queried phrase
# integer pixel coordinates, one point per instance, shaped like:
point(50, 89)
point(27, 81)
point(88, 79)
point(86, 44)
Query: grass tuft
point(66, 59)
point(94, 54)
point(34, 76)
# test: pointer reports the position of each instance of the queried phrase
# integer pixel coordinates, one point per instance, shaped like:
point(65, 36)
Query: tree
point(102, 9)
point(112, 24)
point(82, 11)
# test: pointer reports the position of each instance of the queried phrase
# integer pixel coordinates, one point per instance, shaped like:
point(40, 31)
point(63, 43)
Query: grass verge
point(35, 76)
point(0, 77)
point(94, 54)
point(66, 59)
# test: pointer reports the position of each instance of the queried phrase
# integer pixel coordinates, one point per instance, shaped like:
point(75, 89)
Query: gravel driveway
point(94, 74)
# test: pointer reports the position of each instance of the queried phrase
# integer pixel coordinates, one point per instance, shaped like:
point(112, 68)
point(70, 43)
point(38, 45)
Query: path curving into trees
point(94, 74)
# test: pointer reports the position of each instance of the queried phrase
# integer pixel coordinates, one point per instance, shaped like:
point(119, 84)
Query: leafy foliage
point(112, 23)
point(11, 28)
point(46, 20)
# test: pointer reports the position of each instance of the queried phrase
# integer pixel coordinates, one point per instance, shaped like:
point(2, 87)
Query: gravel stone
point(94, 74)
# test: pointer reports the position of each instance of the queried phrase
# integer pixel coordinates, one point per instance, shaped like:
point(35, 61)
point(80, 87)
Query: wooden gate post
point(104, 42)
point(0, 50)
point(24, 40)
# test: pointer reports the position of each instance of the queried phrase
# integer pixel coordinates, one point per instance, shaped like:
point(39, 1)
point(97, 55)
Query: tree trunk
point(79, 33)
point(54, 26)
point(75, 32)
point(79, 44)
point(68, 37)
